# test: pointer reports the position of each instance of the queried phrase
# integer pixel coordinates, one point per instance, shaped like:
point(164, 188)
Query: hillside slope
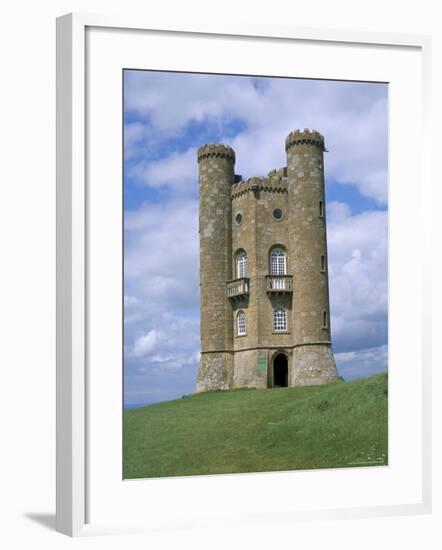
point(338, 425)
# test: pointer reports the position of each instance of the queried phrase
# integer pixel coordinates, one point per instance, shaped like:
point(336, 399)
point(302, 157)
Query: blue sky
point(167, 116)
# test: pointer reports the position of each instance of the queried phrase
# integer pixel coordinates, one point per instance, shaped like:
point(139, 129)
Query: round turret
point(216, 177)
point(306, 137)
point(313, 360)
point(212, 150)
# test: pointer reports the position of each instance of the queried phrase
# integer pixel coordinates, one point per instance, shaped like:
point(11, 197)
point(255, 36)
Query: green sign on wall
point(261, 363)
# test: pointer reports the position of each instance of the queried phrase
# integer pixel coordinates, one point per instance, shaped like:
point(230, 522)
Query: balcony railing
point(238, 288)
point(279, 283)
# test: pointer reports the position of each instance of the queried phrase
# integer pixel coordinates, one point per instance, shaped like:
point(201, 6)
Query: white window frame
point(241, 326)
point(280, 319)
point(278, 261)
point(242, 264)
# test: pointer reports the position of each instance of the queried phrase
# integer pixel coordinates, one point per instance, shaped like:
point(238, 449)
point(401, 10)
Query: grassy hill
point(337, 425)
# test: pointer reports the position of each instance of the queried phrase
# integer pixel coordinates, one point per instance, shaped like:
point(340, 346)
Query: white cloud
point(146, 343)
point(162, 254)
point(352, 117)
point(134, 135)
point(179, 171)
point(162, 285)
point(337, 212)
point(174, 361)
point(172, 343)
point(169, 101)
point(357, 247)
point(362, 363)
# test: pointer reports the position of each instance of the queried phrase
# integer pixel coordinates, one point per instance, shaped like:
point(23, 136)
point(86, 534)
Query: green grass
point(332, 426)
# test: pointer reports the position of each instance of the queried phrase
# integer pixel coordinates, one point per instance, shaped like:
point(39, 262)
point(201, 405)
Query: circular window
point(277, 214)
point(238, 219)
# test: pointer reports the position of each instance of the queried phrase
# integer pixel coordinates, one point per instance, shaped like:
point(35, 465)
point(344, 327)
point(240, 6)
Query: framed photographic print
point(234, 314)
point(260, 294)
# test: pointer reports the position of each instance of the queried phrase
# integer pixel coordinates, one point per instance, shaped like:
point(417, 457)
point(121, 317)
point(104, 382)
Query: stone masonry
point(265, 313)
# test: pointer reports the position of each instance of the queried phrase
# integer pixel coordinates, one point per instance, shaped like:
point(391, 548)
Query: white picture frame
point(76, 386)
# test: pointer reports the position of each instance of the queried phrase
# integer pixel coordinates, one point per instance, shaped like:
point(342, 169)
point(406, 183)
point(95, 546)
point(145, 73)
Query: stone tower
point(265, 313)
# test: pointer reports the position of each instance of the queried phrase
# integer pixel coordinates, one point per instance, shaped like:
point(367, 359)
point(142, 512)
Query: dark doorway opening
point(280, 371)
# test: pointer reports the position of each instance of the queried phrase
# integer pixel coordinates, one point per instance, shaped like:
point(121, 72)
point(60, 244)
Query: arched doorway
point(280, 371)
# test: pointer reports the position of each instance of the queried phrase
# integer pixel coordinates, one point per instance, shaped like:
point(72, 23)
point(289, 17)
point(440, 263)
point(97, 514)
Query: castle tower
point(216, 176)
point(313, 361)
point(265, 315)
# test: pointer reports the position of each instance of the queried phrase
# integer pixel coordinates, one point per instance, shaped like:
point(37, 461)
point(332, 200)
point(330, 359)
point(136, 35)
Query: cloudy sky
point(167, 116)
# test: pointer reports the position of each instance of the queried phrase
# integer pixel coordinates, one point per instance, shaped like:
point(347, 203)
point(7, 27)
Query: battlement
point(274, 182)
point(215, 150)
point(305, 137)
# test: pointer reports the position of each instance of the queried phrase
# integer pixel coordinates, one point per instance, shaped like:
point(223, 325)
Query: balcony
point(279, 284)
point(238, 288)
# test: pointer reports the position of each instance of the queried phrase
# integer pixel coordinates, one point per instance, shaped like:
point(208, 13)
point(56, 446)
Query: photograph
point(255, 276)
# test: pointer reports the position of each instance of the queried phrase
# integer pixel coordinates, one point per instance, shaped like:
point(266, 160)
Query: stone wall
point(312, 365)
point(246, 369)
point(215, 372)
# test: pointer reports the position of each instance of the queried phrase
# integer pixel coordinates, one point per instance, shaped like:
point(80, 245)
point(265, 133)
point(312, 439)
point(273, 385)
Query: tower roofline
point(218, 150)
point(276, 183)
point(306, 136)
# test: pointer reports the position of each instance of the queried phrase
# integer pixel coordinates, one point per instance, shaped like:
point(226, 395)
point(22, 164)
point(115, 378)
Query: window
point(277, 262)
point(277, 214)
point(323, 263)
point(241, 265)
point(279, 319)
point(238, 219)
point(321, 209)
point(241, 323)
point(324, 319)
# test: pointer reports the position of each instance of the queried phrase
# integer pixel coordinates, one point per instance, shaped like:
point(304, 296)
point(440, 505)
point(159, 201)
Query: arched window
point(278, 262)
point(240, 323)
point(280, 319)
point(241, 265)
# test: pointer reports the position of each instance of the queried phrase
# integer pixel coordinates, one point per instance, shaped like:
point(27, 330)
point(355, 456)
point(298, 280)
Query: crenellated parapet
point(274, 182)
point(305, 137)
point(211, 150)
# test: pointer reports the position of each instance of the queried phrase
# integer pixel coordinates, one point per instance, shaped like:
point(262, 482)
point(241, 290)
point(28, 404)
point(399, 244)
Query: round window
point(238, 219)
point(277, 214)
